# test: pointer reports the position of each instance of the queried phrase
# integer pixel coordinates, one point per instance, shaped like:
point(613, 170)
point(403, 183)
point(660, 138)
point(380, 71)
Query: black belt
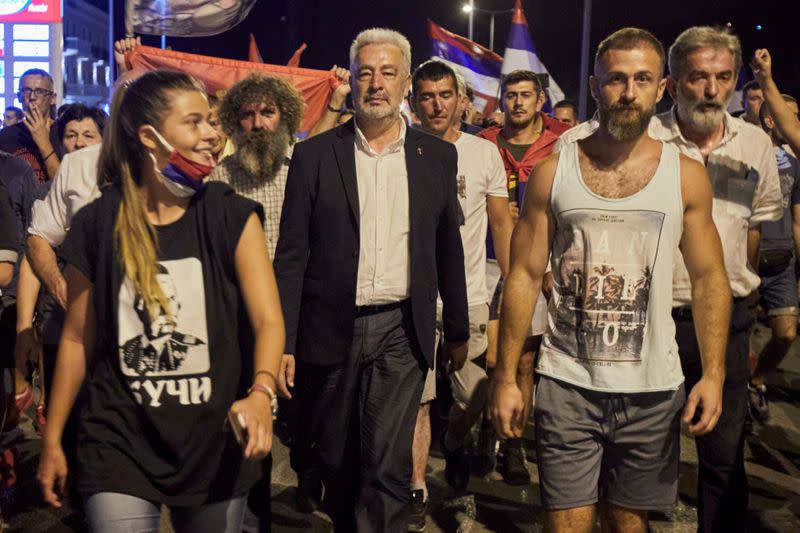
point(684, 312)
point(366, 310)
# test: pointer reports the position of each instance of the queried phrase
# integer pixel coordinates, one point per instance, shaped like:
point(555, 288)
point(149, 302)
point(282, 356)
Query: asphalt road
point(773, 468)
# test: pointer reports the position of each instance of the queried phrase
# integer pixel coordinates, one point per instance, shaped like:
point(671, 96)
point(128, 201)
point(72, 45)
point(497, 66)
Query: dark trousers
point(259, 498)
point(360, 418)
point(721, 480)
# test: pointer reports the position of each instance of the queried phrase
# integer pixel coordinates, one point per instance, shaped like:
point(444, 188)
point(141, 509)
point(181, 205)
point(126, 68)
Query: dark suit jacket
point(316, 260)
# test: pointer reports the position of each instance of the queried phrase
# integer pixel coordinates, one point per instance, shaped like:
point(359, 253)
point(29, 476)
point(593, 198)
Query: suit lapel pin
point(419, 151)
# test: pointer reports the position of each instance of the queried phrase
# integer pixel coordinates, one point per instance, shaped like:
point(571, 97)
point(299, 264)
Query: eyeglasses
point(40, 93)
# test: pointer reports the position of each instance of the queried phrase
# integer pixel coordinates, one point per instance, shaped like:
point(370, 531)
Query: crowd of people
point(172, 269)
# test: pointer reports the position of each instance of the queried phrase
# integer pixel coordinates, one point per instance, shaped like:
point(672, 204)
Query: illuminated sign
point(30, 10)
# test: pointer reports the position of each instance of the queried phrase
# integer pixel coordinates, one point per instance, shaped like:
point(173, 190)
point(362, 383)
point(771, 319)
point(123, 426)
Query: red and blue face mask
point(182, 176)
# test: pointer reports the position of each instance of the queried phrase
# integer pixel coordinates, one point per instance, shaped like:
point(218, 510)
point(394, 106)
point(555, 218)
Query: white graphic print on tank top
point(153, 351)
point(606, 270)
point(610, 326)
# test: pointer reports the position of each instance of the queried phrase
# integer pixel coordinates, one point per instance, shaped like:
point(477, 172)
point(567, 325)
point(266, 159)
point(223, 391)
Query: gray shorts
point(464, 381)
point(620, 448)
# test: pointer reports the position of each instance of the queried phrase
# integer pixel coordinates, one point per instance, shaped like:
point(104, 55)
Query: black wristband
point(333, 109)
point(48, 155)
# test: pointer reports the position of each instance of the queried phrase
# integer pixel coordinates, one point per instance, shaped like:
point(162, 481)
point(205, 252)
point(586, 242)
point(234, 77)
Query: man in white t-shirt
point(483, 199)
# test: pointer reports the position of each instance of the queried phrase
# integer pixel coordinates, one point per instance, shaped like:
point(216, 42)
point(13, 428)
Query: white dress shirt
point(74, 186)
point(747, 192)
point(383, 265)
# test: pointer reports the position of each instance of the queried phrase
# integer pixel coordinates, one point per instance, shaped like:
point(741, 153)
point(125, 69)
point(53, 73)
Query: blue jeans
point(123, 513)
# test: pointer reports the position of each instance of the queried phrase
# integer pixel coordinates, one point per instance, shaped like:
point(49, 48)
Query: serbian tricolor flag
point(521, 54)
point(479, 66)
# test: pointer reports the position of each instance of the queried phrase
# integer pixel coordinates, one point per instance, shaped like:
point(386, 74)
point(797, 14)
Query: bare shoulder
point(540, 182)
point(691, 167)
point(545, 170)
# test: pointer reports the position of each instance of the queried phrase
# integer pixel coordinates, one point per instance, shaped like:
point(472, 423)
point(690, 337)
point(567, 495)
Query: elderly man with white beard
point(703, 66)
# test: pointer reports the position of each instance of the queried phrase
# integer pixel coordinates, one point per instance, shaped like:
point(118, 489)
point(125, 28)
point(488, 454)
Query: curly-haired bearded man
point(260, 114)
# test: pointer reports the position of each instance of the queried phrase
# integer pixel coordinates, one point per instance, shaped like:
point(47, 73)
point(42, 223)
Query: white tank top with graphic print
point(609, 324)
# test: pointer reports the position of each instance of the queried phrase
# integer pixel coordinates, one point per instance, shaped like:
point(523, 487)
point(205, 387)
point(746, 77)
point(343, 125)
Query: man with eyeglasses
point(35, 139)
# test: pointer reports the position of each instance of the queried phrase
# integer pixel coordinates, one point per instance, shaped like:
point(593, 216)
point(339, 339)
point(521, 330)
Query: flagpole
point(111, 63)
point(491, 32)
point(471, 13)
point(583, 105)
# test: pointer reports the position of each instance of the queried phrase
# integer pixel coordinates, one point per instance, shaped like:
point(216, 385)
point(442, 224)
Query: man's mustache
point(715, 104)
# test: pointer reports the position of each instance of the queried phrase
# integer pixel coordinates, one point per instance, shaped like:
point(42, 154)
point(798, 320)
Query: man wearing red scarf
point(527, 137)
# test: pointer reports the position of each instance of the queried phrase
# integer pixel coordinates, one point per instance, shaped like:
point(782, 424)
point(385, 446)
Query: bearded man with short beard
point(260, 115)
point(610, 395)
point(739, 159)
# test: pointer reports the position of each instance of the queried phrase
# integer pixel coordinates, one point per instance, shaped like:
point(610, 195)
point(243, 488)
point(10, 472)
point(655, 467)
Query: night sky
point(328, 27)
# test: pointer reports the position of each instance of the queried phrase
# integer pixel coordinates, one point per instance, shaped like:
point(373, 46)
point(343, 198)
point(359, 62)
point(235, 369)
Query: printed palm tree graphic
point(597, 301)
point(643, 293)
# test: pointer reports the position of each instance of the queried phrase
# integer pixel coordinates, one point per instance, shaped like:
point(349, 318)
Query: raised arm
point(530, 250)
point(786, 121)
point(335, 104)
point(711, 295)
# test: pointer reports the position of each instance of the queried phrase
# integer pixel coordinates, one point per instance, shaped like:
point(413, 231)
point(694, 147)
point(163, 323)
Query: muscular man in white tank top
point(613, 210)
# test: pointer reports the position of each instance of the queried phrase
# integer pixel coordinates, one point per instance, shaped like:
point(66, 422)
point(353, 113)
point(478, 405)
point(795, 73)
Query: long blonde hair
point(122, 160)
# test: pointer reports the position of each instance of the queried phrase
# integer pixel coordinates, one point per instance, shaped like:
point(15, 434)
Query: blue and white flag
point(521, 54)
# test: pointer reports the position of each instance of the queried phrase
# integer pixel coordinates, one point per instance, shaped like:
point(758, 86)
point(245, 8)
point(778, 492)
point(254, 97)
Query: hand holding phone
point(237, 424)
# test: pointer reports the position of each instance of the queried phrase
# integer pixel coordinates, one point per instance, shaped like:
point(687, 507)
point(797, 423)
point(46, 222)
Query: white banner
point(184, 18)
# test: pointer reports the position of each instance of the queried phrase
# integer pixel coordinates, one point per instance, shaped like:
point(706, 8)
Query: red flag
point(254, 56)
point(294, 61)
point(217, 74)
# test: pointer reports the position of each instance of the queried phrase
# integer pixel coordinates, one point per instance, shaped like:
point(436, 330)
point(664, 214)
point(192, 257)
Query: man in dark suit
point(369, 235)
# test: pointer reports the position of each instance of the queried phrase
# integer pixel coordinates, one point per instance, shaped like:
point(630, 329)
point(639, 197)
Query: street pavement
point(773, 469)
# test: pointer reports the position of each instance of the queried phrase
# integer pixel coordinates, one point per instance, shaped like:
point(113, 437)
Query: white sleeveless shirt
point(609, 324)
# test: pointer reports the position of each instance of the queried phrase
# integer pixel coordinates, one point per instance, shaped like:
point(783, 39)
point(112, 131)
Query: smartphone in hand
point(237, 424)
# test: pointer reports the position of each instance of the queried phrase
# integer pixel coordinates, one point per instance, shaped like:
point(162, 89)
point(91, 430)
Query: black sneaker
point(757, 398)
point(309, 493)
point(417, 510)
point(513, 465)
point(456, 469)
point(486, 452)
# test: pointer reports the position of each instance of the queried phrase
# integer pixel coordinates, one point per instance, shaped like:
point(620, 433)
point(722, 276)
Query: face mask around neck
point(182, 176)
